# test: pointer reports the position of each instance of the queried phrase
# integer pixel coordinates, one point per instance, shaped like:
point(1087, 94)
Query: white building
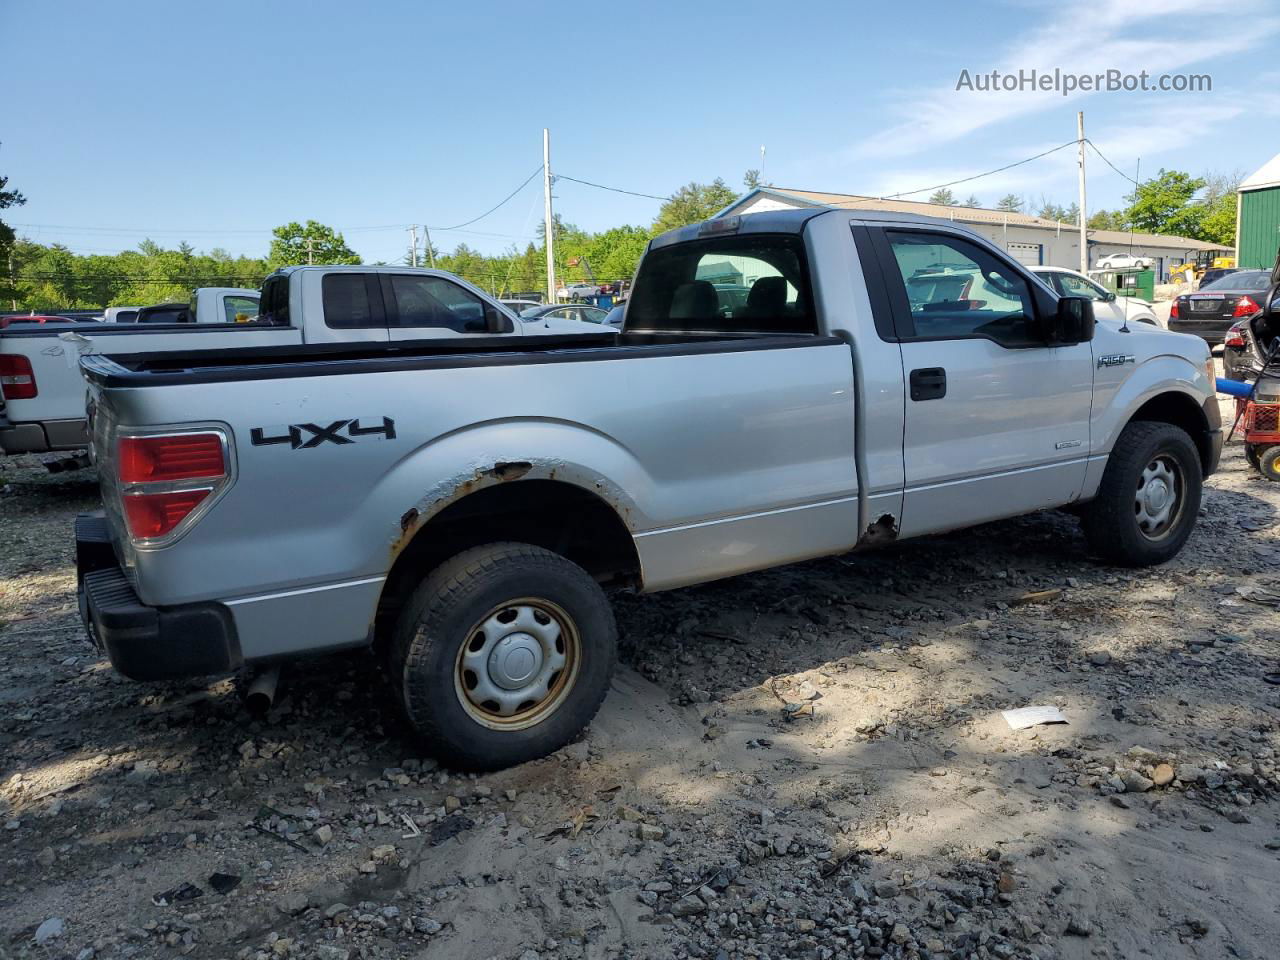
point(1031, 240)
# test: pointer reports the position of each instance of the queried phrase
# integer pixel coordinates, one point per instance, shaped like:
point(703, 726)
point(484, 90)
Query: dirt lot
point(809, 762)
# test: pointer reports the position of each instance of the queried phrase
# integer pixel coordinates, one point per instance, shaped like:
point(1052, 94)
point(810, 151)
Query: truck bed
point(314, 360)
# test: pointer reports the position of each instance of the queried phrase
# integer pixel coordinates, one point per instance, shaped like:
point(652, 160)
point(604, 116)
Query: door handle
point(928, 383)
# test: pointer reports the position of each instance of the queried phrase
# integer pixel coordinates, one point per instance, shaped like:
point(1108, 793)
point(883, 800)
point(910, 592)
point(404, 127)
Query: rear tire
point(1149, 497)
point(502, 655)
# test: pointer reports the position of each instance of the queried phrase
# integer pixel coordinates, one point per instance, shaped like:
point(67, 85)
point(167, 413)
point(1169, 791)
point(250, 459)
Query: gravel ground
point(807, 762)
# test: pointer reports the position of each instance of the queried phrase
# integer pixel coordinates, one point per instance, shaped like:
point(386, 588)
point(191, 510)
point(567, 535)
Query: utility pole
point(431, 254)
point(1137, 182)
point(310, 258)
point(763, 181)
point(413, 248)
point(548, 219)
point(1084, 212)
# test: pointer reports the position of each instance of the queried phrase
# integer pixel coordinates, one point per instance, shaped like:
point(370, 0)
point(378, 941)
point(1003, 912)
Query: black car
point(164, 313)
point(1212, 309)
point(1216, 273)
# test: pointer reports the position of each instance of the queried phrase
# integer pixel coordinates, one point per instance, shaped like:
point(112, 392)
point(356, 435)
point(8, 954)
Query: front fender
point(1120, 392)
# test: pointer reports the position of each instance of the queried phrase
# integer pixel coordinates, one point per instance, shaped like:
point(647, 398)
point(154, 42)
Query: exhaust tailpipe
point(261, 694)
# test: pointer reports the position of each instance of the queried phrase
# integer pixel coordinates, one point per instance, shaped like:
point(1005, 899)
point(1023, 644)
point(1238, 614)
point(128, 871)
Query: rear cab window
point(273, 307)
point(753, 284)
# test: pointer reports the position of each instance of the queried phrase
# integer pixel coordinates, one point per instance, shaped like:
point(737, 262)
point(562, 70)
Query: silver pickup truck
point(42, 394)
point(460, 507)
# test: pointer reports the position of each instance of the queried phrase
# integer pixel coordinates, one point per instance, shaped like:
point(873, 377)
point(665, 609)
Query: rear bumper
point(144, 642)
point(44, 437)
point(1210, 331)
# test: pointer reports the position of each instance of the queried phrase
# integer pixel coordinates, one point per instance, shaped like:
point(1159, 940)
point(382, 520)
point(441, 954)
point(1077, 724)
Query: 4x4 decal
point(303, 436)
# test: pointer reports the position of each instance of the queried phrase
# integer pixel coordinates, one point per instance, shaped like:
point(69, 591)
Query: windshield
point(1241, 280)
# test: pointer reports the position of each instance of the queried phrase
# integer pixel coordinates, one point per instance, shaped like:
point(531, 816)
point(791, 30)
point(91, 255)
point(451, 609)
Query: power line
point(952, 183)
point(601, 186)
point(1104, 159)
point(536, 170)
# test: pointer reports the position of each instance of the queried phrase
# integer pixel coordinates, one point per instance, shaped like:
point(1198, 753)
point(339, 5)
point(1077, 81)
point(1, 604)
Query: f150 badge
point(1115, 360)
point(304, 436)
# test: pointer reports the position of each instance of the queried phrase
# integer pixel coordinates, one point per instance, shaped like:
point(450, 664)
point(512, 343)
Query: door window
point(954, 289)
point(274, 307)
point(435, 302)
point(240, 309)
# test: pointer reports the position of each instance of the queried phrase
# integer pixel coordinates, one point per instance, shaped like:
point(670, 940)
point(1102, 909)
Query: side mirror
point(1073, 322)
point(1110, 297)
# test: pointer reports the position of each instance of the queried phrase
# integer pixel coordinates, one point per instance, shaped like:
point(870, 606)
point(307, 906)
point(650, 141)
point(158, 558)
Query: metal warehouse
point(1031, 240)
point(1258, 216)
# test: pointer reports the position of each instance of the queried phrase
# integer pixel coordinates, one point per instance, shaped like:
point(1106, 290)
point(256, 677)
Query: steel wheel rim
point(517, 663)
point(1158, 499)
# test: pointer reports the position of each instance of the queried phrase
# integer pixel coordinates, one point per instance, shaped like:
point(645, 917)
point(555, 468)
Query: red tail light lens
point(1245, 307)
point(1173, 310)
point(1235, 336)
point(165, 479)
point(152, 515)
point(186, 456)
point(17, 380)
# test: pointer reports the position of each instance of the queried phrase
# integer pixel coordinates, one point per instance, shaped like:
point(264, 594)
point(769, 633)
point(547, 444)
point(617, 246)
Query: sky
point(212, 123)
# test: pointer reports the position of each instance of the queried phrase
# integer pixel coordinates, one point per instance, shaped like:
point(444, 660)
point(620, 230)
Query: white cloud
point(1080, 38)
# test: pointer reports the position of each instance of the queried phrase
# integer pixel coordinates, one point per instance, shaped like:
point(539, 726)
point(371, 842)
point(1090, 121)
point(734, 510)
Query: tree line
point(1172, 203)
point(51, 277)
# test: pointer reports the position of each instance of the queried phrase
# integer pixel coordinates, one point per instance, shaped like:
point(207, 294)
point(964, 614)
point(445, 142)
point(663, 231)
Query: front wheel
point(502, 655)
point(1149, 497)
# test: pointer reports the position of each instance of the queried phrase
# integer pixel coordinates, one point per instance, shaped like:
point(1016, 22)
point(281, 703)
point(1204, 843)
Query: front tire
point(1149, 497)
point(502, 655)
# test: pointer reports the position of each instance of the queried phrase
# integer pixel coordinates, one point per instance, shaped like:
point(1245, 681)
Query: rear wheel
point(503, 654)
point(1149, 497)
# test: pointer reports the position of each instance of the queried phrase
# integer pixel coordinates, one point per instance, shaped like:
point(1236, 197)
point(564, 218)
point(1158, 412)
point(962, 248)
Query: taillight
point(1245, 307)
point(1235, 336)
point(1173, 310)
point(184, 456)
point(166, 478)
point(17, 380)
point(152, 515)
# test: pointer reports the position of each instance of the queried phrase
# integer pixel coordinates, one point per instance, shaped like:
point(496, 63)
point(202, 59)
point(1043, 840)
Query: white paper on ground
point(1025, 717)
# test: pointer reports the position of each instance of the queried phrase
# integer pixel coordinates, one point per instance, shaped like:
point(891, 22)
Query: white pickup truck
point(457, 506)
point(42, 394)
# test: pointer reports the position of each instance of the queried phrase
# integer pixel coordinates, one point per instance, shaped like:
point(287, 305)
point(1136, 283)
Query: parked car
point(164, 313)
point(1106, 305)
point(577, 291)
point(1215, 273)
point(1211, 310)
point(519, 306)
point(120, 314)
point(42, 406)
point(28, 319)
point(1122, 261)
point(458, 507)
point(567, 311)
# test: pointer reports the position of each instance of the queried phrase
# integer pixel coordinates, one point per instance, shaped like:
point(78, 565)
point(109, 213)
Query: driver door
point(997, 421)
